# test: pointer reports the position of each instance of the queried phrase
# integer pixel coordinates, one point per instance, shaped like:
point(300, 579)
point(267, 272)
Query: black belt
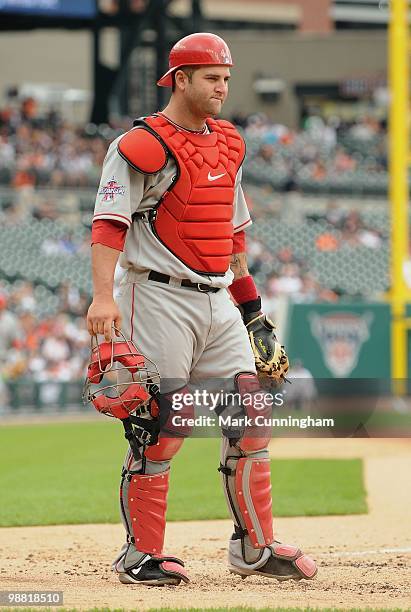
point(165, 278)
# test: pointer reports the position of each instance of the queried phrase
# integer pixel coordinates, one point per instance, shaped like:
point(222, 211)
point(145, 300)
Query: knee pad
point(164, 450)
point(153, 433)
point(170, 426)
point(172, 436)
point(256, 408)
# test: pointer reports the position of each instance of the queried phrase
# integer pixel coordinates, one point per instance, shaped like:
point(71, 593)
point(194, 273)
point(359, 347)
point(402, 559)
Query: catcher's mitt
point(270, 357)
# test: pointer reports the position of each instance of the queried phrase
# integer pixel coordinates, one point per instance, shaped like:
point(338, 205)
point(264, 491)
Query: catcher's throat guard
point(122, 383)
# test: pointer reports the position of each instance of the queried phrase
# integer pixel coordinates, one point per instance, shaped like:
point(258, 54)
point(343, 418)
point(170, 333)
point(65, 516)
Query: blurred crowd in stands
point(44, 150)
point(53, 348)
point(351, 230)
point(321, 149)
point(38, 150)
point(293, 277)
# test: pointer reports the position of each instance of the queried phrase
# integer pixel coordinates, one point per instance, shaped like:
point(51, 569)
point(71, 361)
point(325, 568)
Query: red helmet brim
point(167, 80)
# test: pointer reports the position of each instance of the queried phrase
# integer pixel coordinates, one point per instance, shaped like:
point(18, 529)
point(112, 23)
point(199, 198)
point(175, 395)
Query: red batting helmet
point(201, 49)
point(134, 377)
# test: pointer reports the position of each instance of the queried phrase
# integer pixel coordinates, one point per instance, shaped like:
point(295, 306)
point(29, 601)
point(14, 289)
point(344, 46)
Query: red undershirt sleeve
point(110, 233)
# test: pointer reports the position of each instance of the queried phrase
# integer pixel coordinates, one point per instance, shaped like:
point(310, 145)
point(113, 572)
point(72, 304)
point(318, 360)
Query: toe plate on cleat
point(302, 563)
point(307, 566)
point(175, 569)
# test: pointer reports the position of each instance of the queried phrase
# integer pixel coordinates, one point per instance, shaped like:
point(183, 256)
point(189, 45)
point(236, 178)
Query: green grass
point(69, 473)
point(308, 487)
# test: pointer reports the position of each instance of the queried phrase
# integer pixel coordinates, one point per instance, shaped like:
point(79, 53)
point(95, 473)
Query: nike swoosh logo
point(217, 176)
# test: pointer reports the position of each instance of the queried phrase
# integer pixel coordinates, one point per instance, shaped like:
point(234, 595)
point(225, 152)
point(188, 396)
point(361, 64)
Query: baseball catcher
point(170, 208)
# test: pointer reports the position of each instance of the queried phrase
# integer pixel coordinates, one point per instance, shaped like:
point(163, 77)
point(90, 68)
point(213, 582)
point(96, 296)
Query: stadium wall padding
point(341, 340)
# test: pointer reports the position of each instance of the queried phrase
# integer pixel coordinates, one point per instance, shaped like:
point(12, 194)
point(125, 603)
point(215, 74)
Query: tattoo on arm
point(239, 265)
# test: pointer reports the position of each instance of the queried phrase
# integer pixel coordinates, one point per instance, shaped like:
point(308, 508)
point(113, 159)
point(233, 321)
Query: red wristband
point(244, 289)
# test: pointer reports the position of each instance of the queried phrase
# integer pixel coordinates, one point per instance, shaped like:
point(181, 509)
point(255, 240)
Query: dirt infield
point(363, 560)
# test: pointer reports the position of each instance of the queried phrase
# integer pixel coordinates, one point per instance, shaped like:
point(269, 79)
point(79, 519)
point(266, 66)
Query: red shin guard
point(253, 492)
point(147, 501)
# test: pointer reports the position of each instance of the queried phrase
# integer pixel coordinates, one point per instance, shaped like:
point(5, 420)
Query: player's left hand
point(270, 357)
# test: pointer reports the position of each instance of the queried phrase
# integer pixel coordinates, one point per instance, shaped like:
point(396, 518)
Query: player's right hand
point(101, 316)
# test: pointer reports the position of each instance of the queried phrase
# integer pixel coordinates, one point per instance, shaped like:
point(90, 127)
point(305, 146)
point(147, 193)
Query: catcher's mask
point(122, 361)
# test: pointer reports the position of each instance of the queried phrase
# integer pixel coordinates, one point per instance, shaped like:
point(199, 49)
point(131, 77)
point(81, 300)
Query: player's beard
point(210, 108)
point(205, 107)
point(215, 107)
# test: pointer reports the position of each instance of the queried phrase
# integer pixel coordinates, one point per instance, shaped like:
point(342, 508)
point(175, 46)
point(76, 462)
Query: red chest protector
point(194, 217)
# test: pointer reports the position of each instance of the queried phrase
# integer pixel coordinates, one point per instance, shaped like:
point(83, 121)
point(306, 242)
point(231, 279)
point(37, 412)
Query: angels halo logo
point(341, 336)
point(224, 57)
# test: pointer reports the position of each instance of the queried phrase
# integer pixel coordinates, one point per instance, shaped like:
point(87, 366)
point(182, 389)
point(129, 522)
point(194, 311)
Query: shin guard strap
point(253, 491)
point(147, 501)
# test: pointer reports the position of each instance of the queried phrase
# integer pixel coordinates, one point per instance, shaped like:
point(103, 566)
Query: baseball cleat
point(155, 571)
point(285, 563)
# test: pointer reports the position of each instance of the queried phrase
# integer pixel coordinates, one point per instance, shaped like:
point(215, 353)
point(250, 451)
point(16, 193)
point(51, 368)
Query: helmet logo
point(225, 58)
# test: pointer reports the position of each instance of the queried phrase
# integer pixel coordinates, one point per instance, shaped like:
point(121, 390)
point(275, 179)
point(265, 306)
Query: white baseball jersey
point(124, 191)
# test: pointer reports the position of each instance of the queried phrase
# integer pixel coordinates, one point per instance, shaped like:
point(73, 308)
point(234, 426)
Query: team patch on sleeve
point(111, 189)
